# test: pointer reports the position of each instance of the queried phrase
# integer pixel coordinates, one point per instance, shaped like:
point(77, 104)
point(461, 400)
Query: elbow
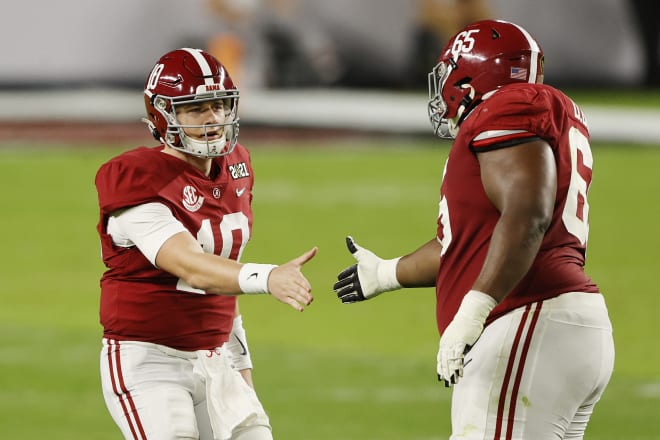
point(196, 281)
point(529, 226)
point(203, 283)
point(538, 225)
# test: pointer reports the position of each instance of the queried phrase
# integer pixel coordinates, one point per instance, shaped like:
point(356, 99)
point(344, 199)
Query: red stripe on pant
point(122, 393)
point(518, 373)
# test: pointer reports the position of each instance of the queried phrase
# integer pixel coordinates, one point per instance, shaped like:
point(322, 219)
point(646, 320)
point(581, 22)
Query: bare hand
point(287, 283)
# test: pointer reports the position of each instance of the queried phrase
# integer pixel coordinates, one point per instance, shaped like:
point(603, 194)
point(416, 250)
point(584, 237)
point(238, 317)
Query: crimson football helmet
point(186, 76)
point(476, 61)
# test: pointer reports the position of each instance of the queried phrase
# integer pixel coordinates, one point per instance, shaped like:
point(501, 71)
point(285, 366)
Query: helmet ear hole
point(462, 81)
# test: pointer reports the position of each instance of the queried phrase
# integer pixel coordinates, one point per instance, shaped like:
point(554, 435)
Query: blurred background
point(310, 43)
point(333, 108)
point(308, 63)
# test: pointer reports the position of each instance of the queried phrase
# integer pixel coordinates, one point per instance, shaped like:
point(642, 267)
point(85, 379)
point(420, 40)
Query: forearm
point(183, 257)
point(213, 274)
point(513, 247)
point(238, 349)
point(420, 268)
point(222, 276)
point(247, 376)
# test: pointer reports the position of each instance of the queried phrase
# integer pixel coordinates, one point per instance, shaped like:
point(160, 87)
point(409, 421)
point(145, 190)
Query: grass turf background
point(364, 371)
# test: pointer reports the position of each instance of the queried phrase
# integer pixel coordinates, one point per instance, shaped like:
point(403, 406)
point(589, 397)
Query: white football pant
point(155, 392)
point(537, 372)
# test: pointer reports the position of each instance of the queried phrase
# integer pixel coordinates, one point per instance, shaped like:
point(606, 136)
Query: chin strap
point(199, 147)
point(152, 129)
point(465, 103)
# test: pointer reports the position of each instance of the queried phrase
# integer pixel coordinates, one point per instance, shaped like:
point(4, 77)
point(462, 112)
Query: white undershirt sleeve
point(146, 226)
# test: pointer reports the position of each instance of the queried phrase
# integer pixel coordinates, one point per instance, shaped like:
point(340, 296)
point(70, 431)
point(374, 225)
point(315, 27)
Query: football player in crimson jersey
point(174, 220)
point(525, 337)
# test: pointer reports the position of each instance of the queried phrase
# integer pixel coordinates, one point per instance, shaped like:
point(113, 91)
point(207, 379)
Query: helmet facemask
point(437, 106)
point(443, 127)
point(176, 137)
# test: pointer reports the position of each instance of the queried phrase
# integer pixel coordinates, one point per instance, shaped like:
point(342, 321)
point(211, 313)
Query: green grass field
point(358, 372)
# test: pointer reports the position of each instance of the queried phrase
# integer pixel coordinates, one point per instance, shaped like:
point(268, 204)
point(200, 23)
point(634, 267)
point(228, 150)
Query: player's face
point(197, 115)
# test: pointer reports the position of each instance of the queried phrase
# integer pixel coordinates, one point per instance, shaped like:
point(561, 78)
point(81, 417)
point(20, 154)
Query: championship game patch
point(238, 170)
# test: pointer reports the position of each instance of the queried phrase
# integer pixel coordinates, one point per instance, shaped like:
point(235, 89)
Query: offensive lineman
point(525, 335)
point(174, 220)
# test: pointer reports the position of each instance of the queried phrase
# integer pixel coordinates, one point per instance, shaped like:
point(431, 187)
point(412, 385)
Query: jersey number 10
point(230, 224)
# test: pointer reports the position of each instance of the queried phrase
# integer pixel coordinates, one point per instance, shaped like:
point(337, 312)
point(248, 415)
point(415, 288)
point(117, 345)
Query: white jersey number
point(463, 43)
point(576, 211)
point(230, 223)
point(443, 218)
point(154, 76)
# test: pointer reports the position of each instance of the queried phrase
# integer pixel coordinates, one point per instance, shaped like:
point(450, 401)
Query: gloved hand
point(461, 333)
point(368, 278)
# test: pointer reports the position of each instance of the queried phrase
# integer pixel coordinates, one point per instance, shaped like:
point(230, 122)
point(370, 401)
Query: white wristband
point(477, 305)
point(387, 274)
point(253, 278)
point(238, 347)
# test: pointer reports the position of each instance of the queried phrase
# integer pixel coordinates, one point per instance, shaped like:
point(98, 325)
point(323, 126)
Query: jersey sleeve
point(147, 226)
point(508, 118)
point(123, 183)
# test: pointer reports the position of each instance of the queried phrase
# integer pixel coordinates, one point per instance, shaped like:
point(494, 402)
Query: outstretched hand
point(370, 277)
point(288, 284)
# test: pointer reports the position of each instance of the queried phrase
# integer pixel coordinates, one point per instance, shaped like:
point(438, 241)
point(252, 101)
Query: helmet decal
point(463, 43)
point(207, 73)
point(154, 76)
point(535, 50)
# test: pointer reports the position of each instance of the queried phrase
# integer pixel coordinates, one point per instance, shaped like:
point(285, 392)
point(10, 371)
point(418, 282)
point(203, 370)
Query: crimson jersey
point(514, 114)
point(143, 303)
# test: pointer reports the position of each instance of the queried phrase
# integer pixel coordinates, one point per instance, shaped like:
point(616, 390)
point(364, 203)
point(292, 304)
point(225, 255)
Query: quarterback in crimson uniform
point(161, 307)
point(526, 339)
point(174, 221)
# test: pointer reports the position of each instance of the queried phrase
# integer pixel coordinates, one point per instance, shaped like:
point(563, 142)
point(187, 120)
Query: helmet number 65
point(463, 43)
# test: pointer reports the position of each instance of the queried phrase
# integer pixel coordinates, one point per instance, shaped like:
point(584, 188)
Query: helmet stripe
point(203, 65)
point(534, 62)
